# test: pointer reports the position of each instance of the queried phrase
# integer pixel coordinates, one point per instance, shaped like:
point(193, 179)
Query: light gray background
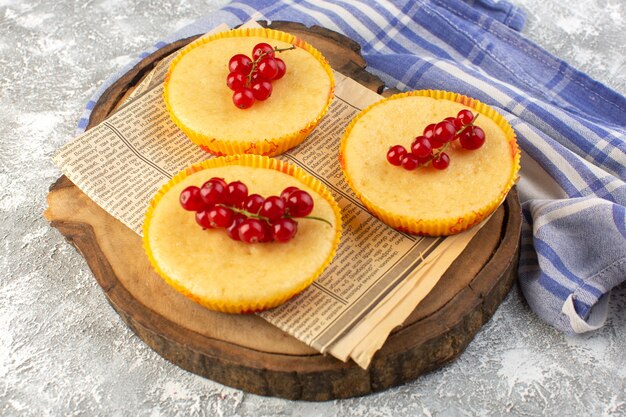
point(64, 351)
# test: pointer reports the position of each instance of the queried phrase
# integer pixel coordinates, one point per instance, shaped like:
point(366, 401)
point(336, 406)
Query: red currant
point(465, 117)
point(409, 162)
point(283, 230)
point(472, 138)
point(251, 231)
point(422, 147)
point(202, 218)
point(429, 130)
point(267, 68)
point(273, 208)
point(262, 89)
point(218, 180)
point(237, 193)
point(220, 216)
point(255, 77)
point(395, 155)
point(253, 203)
point(233, 229)
point(262, 48)
point(243, 98)
point(236, 81)
point(240, 63)
point(299, 204)
point(444, 132)
point(190, 199)
point(456, 122)
point(268, 234)
point(287, 192)
point(282, 68)
point(213, 192)
point(441, 161)
point(424, 160)
point(438, 135)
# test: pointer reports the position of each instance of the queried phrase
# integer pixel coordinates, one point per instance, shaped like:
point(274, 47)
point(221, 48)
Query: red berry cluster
point(250, 78)
point(248, 218)
point(435, 139)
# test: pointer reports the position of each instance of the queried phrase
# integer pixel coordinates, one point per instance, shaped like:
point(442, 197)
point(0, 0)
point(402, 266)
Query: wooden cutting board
point(246, 352)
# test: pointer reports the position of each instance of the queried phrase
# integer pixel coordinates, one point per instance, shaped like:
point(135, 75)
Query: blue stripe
point(557, 78)
point(619, 217)
point(547, 163)
point(548, 253)
point(583, 145)
point(82, 123)
point(240, 14)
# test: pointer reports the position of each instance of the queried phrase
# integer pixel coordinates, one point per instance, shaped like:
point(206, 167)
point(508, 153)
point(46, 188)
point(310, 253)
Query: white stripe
point(599, 141)
point(566, 211)
point(554, 156)
point(616, 154)
point(597, 316)
point(250, 11)
point(614, 185)
point(394, 32)
point(563, 165)
point(349, 19)
point(324, 20)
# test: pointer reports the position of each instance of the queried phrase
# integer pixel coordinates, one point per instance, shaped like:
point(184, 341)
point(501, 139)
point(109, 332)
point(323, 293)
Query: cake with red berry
point(430, 162)
point(243, 233)
point(258, 91)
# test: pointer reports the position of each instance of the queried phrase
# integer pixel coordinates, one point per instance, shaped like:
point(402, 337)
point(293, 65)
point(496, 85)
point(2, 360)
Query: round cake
point(201, 104)
point(426, 200)
point(233, 276)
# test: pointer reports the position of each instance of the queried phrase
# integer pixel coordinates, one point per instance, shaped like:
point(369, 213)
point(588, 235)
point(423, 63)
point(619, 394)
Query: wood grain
point(245, 351)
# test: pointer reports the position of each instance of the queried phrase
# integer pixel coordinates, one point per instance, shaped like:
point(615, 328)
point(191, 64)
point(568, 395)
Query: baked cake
point(426, 200)
point(232, 276)
point(201, 104)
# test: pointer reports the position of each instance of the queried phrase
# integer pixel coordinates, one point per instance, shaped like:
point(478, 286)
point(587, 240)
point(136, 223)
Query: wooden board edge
point(324, 378)
point(417, 353)
point(261, 376)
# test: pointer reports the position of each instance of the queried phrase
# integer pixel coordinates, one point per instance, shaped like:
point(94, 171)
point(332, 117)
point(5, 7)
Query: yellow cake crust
point(428, 201)
point(230, 276)
point(200, 103)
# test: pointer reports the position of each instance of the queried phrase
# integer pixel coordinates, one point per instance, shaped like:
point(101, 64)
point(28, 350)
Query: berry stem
point(277, 49)
point(445, 146)
point(255, 63)
point(461, 130)
point(244, 212)
point(258, 216)
point(315, 218)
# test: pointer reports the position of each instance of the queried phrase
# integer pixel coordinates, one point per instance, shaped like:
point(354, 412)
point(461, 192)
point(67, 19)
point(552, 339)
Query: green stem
point(255, 63)
point(316, 218)
point(257, 216)
point(445, 146)
point(467, 125)
point(244, 212)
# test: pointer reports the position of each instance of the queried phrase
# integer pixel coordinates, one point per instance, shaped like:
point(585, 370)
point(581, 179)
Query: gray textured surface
point(64, 351)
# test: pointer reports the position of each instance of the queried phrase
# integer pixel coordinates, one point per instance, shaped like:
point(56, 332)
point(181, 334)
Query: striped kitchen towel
point(572, 130)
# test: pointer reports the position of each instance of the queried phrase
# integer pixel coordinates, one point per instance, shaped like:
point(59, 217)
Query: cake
point(425, 200)
point(201, 104)
point(233, 276)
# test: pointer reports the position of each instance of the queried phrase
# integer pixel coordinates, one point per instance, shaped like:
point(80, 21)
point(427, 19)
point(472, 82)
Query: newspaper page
point(378, 275)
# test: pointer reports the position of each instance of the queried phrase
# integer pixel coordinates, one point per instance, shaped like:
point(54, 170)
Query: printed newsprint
point(378, 276)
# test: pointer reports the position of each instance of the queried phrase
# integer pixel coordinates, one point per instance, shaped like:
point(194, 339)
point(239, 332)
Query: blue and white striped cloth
point(572, 130)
